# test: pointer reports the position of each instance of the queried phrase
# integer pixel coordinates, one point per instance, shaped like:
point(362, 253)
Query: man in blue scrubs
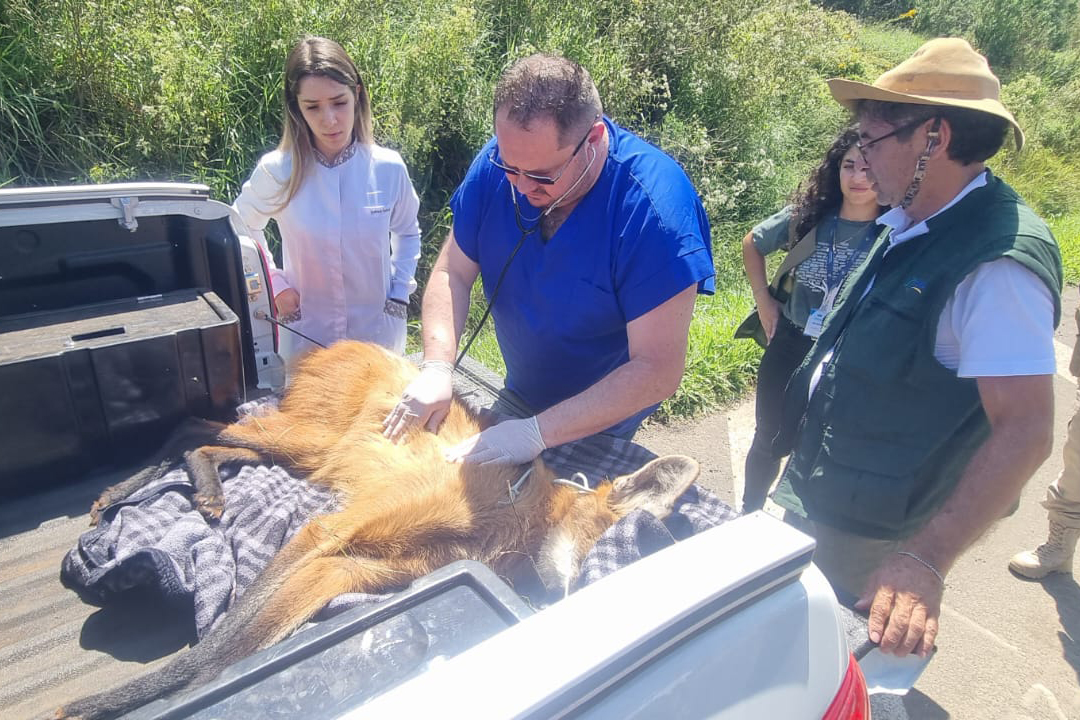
point(597, 245)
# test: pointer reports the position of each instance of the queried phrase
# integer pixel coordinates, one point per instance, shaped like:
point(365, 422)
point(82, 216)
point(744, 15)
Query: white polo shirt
point(999, 321)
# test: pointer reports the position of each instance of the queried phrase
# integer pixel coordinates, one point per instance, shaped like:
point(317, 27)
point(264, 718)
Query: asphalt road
point(1008, 648)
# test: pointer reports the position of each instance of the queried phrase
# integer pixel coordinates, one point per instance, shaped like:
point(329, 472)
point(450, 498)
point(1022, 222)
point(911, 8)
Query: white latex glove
point(511, 442)
point(426, 400)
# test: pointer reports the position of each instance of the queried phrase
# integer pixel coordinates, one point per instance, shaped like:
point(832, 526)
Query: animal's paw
point(210, 505)
point(95, 515)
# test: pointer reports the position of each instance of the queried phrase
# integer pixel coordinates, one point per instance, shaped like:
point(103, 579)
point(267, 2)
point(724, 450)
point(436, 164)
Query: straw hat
point(945, 71)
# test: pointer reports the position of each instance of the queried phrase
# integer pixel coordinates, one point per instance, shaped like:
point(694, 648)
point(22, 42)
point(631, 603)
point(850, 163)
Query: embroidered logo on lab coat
point(374, 207)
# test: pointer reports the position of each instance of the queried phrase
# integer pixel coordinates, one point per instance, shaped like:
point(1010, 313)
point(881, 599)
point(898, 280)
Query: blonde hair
point(324, 57)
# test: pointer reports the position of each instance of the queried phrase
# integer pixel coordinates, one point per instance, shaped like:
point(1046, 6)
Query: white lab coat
point(350, 240)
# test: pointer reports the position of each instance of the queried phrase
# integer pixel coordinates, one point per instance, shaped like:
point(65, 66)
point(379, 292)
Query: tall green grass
point(734, 89)
point(1066, 229)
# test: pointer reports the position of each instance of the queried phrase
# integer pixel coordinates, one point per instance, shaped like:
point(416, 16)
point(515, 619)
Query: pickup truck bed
point(53, 646)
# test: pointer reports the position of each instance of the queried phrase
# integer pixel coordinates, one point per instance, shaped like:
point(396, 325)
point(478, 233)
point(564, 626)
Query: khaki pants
point(1063, 495)
point(846, 560)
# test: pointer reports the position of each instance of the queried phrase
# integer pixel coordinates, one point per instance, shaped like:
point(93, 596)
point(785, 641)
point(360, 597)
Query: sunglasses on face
point(493, 158)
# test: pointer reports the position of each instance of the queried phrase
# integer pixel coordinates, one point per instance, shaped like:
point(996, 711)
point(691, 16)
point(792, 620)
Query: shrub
point(1009, 32)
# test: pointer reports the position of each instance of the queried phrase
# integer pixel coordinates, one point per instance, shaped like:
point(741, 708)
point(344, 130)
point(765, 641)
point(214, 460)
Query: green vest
point(889, 430)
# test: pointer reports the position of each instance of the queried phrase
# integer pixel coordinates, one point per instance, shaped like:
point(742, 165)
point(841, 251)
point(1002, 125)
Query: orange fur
point(405, 512)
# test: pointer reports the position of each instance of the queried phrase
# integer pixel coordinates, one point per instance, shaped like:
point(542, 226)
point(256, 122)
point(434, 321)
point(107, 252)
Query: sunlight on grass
point(1067, 231)
point(734, 90)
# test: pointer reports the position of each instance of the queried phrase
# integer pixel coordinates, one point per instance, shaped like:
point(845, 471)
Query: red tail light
point(851, 701)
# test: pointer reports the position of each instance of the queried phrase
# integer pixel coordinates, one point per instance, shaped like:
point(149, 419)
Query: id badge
point(814, 324)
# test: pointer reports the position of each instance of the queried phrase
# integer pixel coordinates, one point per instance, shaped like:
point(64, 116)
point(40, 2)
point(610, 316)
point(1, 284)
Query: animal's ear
point(654, 487)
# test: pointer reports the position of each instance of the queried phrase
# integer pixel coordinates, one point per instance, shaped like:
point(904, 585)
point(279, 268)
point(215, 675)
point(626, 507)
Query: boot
point(1054, 555)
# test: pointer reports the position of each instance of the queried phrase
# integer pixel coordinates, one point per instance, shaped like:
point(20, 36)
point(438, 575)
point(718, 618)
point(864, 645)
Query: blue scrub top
point(639, 237)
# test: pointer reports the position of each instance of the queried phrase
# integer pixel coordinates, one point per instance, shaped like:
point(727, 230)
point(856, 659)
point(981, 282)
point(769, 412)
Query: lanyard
point(831, 280)
point(525, 233)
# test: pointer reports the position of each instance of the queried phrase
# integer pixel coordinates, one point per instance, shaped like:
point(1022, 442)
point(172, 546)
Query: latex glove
point(511, 442)
point(904, 599)
point(287, 305)
point(426, 400)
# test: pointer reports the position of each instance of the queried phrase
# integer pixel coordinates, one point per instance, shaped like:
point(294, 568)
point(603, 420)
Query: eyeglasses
point(540, 179)
point(864, 146)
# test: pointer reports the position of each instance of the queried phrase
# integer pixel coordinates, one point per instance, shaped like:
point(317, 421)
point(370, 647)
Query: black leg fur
point(190, 434)
point(203, 464)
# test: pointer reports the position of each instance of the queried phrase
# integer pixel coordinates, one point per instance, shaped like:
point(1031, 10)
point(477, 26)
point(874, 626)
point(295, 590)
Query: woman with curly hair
point(838, 205)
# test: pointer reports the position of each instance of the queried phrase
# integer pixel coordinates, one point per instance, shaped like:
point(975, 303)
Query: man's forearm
point(440, 328)
point(446, 303)
point(658, 342)
point(628, 389)
point(990, 484)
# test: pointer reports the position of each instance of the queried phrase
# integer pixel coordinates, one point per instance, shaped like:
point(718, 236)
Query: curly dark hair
point(821, 193)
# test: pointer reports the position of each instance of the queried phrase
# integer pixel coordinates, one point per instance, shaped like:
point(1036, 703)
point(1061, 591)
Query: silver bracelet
point(443, 365)
point(915, 557)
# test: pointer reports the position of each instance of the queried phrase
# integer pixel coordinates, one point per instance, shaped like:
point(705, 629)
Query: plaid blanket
point(157, 539)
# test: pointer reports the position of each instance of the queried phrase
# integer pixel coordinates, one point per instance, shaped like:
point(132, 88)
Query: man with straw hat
point(927, 401)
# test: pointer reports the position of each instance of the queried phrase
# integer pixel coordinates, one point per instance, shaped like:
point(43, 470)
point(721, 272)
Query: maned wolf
point(406, 511)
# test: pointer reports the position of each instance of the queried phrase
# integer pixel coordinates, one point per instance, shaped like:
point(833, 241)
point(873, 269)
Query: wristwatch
point(396, 308)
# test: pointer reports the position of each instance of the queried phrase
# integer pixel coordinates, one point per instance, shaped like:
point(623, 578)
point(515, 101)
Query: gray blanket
point(156, 539)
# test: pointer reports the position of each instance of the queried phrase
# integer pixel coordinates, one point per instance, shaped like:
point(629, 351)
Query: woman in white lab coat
point(345, 208)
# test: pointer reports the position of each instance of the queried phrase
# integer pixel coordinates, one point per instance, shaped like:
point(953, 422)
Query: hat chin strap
point(920, 166)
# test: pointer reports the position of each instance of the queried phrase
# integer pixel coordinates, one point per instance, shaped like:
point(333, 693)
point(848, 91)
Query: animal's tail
point(298, 583)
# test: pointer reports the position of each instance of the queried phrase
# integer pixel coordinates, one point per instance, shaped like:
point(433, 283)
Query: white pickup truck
point(123, 309)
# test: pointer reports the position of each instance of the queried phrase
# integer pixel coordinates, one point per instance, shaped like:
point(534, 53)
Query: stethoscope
point(525, 232)
point(520, 220)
